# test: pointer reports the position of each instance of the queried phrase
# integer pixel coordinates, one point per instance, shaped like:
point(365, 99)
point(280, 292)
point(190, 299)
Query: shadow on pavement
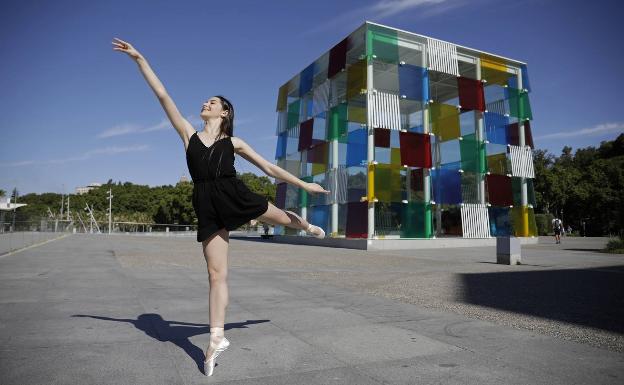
point(160, 329)
point(590, 297)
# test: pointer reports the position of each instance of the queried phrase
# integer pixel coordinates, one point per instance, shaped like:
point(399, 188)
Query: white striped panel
point(498, 107)
point(341, 184)
point(282, 122)
point(293, 132)
point(384, 110)
point(475, 221)
point(442, 56)
point(521, 161)
point(320, 99)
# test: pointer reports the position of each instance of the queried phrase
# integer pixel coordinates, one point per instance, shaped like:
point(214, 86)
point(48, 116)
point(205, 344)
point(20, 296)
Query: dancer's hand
point(126, 47)
point(315, 188)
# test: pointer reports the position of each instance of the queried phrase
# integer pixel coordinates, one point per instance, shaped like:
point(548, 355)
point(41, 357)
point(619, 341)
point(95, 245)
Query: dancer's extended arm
point(182, 126)
point(245, 150)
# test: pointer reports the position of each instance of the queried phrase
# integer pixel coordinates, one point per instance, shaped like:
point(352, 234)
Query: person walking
point(557, 229)
point(221, 201)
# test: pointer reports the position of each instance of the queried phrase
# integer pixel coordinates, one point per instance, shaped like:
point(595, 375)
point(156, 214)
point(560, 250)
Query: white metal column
point(371, 147)
point(479, 122)
point(523, 181)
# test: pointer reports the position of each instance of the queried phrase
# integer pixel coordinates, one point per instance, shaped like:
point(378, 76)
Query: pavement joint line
point(32, 246)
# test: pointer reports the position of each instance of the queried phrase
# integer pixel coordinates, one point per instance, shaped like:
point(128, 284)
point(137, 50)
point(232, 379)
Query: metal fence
point(15, 235)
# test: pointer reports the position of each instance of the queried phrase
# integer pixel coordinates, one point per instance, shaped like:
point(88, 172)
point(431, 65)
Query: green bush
point(615, 246)
point(544, 223)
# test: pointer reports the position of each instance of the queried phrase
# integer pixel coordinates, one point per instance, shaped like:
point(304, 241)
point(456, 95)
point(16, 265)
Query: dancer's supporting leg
point(216, 254)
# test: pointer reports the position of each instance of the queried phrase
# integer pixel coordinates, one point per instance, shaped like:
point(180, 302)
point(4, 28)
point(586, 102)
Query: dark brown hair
point(227, 122)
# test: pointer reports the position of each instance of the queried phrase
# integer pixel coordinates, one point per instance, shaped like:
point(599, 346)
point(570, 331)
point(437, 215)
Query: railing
point(19, 234)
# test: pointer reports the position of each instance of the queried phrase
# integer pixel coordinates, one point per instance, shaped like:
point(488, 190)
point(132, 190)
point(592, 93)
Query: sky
point(73, 111)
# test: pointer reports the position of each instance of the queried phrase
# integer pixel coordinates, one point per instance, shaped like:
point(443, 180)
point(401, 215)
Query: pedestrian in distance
point(221, 201)
point(557, 229)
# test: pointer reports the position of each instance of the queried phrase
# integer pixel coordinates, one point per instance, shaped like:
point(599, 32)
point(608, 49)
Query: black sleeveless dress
point(220, 199)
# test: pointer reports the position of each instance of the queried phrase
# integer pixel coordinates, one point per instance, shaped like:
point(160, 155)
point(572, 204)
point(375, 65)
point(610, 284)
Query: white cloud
point(127, 128)
point(163, 125)
point(598, 129)
point(111, 150)
point(385, 8)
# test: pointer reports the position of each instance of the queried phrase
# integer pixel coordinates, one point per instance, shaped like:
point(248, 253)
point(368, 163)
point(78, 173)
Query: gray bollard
point(508, 251)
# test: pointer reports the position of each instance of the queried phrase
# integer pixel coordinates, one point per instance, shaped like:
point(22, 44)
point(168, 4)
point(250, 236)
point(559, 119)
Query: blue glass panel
point(500, 222)
point(319, 216)
point(525, 78)
point(356, 147)
point(305, 80)
point(446, 186)
point(413, 82)
point(282, 139)
point(496, 127)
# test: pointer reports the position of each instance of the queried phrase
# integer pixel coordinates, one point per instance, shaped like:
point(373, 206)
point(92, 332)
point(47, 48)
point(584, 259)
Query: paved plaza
point(129, 309)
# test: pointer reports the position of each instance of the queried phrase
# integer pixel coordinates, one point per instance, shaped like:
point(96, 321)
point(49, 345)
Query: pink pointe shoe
point(314, 230)
point(209, 363)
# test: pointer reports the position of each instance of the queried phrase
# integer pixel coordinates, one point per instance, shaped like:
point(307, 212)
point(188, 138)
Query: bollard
point(508, 251)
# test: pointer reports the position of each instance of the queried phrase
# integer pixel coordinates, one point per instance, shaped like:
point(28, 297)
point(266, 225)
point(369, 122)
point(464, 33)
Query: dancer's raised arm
point(184, 128)
point(245, 150)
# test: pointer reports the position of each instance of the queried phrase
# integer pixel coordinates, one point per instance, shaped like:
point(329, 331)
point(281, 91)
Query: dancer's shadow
point(162, 330)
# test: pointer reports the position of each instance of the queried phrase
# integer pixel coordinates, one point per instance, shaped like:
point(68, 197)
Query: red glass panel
point(415, 149)
point(499, 190)
point(280, 195)
point(357, 220)
point(471, 94)
point(337, 58)
point(305, 134)
point(382, 137)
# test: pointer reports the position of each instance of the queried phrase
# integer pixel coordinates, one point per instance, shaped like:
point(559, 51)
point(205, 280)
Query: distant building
point(84, 190)
point(184, 178)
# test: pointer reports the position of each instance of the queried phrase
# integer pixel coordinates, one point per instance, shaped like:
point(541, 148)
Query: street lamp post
point(110, 203)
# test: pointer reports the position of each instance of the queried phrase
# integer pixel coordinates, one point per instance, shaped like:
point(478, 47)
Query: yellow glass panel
point(356, 79)
point(387, 183)
point(494, 70)
point(395, 157)
point(318, 168)
point(520, 218)
point(444, 121)
point(370, 193)
point(497, 164)
point(357, 114)
point(282, 97)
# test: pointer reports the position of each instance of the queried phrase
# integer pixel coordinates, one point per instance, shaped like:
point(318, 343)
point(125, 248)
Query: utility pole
point(110, 204)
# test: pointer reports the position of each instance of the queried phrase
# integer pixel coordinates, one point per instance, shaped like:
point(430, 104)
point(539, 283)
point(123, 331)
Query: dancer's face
point(212, 108)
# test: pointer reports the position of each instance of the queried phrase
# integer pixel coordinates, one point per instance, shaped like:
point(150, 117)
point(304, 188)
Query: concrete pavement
point(94, 309)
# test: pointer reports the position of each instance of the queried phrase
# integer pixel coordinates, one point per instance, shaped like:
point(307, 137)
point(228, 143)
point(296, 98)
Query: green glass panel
point(519, 105)
point(293, 113)
point(383, 43)
point(532, 224)
point(416, 221)
point(338, 123)
point(472, 154)
point(531, 192)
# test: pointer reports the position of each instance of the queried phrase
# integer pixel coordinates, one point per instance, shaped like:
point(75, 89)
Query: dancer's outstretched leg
point(276, 216)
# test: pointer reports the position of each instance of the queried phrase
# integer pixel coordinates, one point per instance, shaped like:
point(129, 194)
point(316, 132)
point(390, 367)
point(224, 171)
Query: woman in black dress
point(221, 201)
